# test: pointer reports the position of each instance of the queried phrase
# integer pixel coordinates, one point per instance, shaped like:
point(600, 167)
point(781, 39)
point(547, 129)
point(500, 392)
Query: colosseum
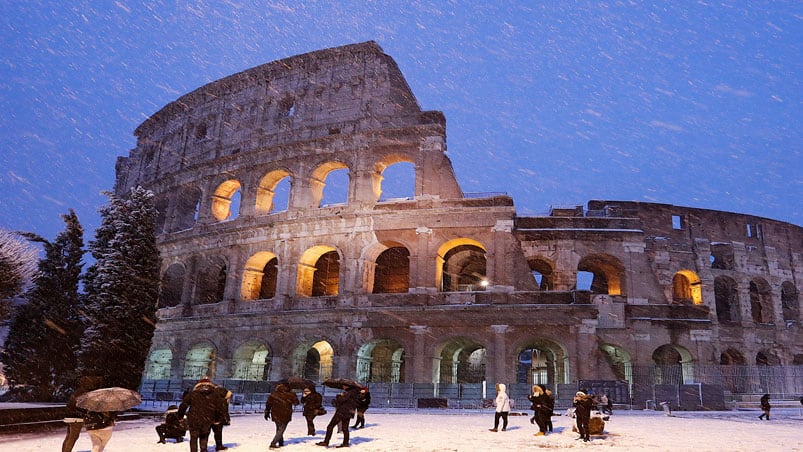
point(282, 255)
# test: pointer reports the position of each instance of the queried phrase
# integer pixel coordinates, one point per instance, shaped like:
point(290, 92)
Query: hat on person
point(579, 394)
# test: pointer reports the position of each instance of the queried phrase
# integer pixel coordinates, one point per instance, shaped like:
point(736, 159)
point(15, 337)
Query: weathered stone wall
point(652, 300)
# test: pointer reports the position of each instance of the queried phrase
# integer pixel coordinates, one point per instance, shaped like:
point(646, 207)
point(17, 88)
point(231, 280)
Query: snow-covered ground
point(450, 430)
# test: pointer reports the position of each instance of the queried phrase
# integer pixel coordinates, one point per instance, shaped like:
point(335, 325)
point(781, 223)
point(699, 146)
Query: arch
point(789, 302)
point(200, 361)
point(185, 212)
point(160, 361)
point(381, 361)
point(392, 270)
point(620, 362)
point(673, 365)
point(172, 286)
point(460, 360)
point(313, 360)
point(461, 266)
point(543, 271)
point(726, 297)
point(761, 308)
point(252, 361)
point(211, 280)
point(734, 380)
point(267, 191)
point(318, 275)
point(687, 288)
point(608, 271)
point(319, 179)
point(260, 276)
point(225, 200)
point(394, 178)
point(542, 361)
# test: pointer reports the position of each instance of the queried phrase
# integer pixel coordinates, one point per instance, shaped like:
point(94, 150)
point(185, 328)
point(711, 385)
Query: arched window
point(273, 192)
point(789, 302)
point(543, 273)
point(608, 274)
point(727, 300)
point(392, 272)
point(462, 266)
point(211, 281)
point(687, 288)
point(172, 286)
point(226, 201)
point(259, 277)
point(761, 301)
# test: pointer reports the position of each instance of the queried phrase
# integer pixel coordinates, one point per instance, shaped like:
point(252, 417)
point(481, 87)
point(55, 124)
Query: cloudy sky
point(691, 103)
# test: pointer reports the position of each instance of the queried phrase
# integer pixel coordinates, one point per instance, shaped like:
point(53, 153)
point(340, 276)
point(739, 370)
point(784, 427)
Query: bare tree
point(18, 259)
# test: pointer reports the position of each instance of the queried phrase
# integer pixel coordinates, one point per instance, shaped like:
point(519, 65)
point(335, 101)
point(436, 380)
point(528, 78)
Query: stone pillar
point(500, 373)
point(585, 344)
point(418, 369)
point(422, 268)
point(365, 187)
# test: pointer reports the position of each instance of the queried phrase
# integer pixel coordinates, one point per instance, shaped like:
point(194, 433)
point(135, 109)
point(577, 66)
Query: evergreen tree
point(121, 291)
point(48, 325)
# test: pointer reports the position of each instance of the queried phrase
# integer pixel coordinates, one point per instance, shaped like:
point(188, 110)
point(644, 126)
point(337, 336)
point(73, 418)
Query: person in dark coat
point(217, 429)
point(345, 405)
point(313, 405)
point(203, 407)
point(538, 400)
point(549, 408)
point(765, 407)
point(583, 404)
point(279, 407)
point(363, 401)
point(173, 427)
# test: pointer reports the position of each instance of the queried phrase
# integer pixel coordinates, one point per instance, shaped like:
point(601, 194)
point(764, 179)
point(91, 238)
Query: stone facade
point(262, 279)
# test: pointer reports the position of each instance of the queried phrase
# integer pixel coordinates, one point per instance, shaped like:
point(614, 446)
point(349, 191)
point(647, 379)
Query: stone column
point(418, 370)
point(500, 372)
point(585, 344)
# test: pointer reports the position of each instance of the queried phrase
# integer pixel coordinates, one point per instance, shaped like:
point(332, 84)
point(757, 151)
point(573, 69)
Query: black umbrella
point(297, 383)
point(338, 383)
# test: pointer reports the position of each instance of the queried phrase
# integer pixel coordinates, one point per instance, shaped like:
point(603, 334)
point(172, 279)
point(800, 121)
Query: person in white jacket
point(502, 403)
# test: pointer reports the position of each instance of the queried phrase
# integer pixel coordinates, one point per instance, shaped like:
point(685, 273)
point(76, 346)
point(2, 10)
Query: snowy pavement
point(451, 430)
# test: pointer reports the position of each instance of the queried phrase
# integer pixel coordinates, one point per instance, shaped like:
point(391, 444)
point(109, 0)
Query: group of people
point(352, 400)
point(543, 405)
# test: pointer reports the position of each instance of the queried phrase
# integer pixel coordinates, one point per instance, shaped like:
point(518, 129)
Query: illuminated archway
point(313, 360)
point(259, 276)
point(687, 288)
point(252, 361)
point(318, 272)
point(608, 273)
point(225, 200)
point(381, 361)
point(266, 201)
point(461, 266)
point(159, 364)
point(200, 362)
point(673, 365)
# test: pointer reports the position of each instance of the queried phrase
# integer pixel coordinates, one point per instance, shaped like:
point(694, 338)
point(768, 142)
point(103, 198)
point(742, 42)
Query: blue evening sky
point(693, 103)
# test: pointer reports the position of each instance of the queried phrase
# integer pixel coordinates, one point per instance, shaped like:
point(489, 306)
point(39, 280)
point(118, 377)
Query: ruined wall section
point(346, 90)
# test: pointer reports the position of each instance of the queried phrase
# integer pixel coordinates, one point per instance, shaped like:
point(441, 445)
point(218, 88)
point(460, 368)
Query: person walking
point(502, 403)
point(279, 408)
point(583, 404)
point(217, 429)
point(345, 405)
point(765, 407)
point(203, 407)
point(313, 406)
point(363, 401)
point(75, 415)
point(99, 425)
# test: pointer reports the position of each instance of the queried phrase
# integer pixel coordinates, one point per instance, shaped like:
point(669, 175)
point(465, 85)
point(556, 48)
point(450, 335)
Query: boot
point(342, 445)
point(324, 444)
point(492, 430)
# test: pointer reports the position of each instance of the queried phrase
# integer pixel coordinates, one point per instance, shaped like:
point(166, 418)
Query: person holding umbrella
point(279, 407)
point(102, 406)
point(75, 415)
point(345, 405)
